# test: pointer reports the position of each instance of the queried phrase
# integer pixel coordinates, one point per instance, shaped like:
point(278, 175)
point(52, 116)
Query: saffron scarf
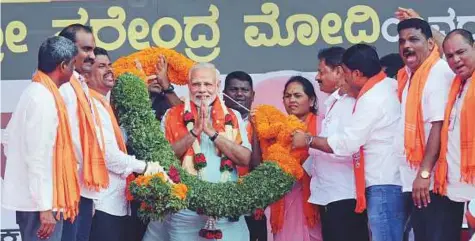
point(309, 210)
point(414, 135)
point(175, 128)
point(467, 136)
point(358, 158)
point(118, 136)
point(66, 192)
point(95, 174)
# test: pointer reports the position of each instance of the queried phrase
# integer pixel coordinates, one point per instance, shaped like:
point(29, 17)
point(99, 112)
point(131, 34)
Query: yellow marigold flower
point(161, 176)
point(180, 190)
point(178, 65)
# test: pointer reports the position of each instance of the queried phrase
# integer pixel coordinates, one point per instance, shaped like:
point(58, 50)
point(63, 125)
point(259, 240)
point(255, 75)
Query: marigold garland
point(180, 190)
point(274, 130)
point(266, 184)
point(178, 65)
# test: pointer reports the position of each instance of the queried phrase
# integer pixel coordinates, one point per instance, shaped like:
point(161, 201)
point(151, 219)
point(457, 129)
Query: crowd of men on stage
point(395, 150)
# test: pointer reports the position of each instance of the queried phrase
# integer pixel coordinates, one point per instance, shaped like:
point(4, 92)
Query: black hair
point(100, 51)
point(416, 23)
point(70, 31)
point(240, 75)
point(467, 35)
point(364, 58)
point(307, 88)
point(393, 63)
point(332, 56)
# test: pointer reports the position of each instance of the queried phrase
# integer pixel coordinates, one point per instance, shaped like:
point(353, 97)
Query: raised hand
point(200, 120)
point(406, 13)
point(207, 123)
point(162, 68)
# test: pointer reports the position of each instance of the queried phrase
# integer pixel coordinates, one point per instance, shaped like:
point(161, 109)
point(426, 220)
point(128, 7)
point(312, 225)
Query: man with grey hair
point(204, 127)
point(40, 180)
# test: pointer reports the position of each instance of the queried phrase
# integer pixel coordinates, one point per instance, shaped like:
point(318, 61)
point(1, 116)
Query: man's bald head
point(459, 50)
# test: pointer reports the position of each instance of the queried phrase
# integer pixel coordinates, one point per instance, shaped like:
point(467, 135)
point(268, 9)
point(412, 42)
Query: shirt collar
point(78, 76)
point(335, 96)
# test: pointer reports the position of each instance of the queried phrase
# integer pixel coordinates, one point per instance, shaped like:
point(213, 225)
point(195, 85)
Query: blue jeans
point(386, 212)
point(29, 223)
point(80, 229)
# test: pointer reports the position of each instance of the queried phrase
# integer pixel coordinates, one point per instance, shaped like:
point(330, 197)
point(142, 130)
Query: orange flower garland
point(274, 130)
point(180, 190)
point(178, 65)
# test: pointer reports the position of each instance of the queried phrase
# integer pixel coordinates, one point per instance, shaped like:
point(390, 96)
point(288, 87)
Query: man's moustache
point(89, 60)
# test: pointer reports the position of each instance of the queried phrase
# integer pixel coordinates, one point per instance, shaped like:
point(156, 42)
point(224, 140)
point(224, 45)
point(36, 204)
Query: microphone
point(237, 103)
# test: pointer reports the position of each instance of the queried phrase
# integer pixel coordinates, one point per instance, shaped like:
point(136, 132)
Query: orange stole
point(95, 172)
point(467, 137)
point(66, 191)
point(414, 135)
point(309, 210)
point(175, 128)
point(118, 136)
point(115, 123)
point(358, 158)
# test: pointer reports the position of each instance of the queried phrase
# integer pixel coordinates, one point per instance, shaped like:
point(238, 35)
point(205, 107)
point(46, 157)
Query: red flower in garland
point(145, 207)
point(258, 214)
point(228, 119)
point(174, 174)
point(226, 165)
point(200, 161)
point(188, 117)
point(200, 211)
point(128, 193)
point(211, 234)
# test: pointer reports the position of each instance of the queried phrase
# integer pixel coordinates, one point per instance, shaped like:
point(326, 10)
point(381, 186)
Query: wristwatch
point(169, 90)
point(213, 138)
point(424, 174)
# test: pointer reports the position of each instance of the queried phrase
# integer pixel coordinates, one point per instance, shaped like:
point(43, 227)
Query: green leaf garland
point(263, 186)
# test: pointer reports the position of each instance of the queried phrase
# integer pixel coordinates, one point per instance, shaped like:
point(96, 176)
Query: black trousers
point(341, 223)
point(257, 228)
point(135, 226)
point(81, 228)
point(106, 227)
point(441, 220)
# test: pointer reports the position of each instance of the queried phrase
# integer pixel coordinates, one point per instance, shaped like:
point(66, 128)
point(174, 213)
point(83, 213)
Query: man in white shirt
point(110, 218)
point(424, 84)
point(369, 137)
point(32, 134)
point(83, 37)
point(88, 136)
point(454, 176)
point(333, 182)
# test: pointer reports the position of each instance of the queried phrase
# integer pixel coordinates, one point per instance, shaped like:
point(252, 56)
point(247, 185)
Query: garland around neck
point(198, 159)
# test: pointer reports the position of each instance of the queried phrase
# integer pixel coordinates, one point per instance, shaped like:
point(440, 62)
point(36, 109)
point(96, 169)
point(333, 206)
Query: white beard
point(206, 101)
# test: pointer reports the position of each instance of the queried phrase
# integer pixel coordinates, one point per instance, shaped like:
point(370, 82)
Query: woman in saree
point(293, 217)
